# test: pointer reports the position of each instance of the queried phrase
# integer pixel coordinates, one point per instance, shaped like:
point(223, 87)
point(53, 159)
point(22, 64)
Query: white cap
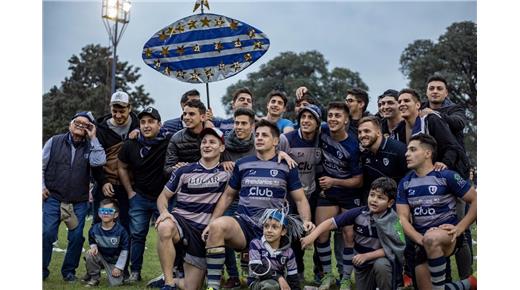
point(120, 98)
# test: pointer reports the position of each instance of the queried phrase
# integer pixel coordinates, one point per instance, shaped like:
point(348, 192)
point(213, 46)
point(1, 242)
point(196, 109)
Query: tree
point(88, 89)
point(454, 56)
point(287, 72)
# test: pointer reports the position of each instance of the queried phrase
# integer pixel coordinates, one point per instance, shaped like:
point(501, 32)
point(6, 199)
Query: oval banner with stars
point(204, 48)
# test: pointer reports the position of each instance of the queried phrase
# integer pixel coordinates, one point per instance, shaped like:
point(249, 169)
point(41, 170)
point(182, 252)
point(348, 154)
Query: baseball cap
point(213, 131)
point(151, 112)
point(120, 98)
point(86, 114)
point(314, 110)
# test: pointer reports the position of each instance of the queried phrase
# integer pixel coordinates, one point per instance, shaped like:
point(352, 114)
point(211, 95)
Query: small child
point(272, 264)
point(109, 243)
point(378, 236)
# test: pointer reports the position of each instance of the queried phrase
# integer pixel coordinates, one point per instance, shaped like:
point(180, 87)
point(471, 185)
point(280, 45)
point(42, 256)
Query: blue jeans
point(51, 223)
point(141, 211)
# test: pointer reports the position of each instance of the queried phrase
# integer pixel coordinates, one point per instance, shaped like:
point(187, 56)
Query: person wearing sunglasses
point(109, 245)
point(67, 160)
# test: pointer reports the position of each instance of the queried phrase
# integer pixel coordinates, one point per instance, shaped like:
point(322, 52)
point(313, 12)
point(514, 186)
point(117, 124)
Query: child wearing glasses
point(109, 245)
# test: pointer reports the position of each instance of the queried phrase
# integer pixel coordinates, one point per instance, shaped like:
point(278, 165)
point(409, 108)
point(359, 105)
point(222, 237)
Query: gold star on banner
point(157, 63)
point(148, 52)
point(192, 24)
point(219, 22)
point(196, 48)
point(180, 74)
point(195, 75)
point(218, 46)
point(236, 65)
point(251, 33)
point(170, 30)
point(180, 50)
point(205, 22)
point(167, 71)
point(164, 51)
point(208, 72)
point(180, 28)
point(248, 57)
point(233, 25)
point(238, 43)
point(222, 67)
point(258, 45)
point(162, 35)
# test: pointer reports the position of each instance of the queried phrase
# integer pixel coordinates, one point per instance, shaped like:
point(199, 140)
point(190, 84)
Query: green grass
point(152, 268)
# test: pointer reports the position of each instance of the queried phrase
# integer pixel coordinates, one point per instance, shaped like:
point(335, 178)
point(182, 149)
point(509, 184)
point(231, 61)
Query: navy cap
point(151, 112)
point(86, 114)
point(314, 110)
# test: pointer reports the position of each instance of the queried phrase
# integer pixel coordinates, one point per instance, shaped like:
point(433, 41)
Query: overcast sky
point(366, 37)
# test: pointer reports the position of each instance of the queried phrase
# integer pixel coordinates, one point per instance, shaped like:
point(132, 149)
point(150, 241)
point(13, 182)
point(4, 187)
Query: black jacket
point(184, 146)
point(455, 116)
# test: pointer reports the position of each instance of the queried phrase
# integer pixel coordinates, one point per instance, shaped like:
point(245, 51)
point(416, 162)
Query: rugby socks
point(437, 267)
point(324, 253)
point(215, 258)
point(348, 253)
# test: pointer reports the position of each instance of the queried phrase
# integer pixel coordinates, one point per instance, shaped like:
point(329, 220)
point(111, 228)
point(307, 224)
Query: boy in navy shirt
point(429, 197)
point(108, 242)
point(378, 236)
point(272, 264)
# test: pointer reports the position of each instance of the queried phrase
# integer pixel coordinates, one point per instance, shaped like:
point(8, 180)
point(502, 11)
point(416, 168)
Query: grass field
point(151, 266)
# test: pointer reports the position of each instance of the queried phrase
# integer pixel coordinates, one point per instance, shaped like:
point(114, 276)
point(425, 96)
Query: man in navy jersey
point(382, 156)
point(198, 187)
point(341, 181)
point(303, 146)
point(261, 183)
point(429, 197)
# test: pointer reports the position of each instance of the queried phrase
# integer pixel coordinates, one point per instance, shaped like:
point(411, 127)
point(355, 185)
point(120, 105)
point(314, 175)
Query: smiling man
point(143, 158)
point(276, 106)
point(391, 125)
point(261, 183)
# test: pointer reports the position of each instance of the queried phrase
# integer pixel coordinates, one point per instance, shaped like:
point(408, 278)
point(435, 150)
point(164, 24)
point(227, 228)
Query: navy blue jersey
point(388, 161)
point(339, 159)
point(262, 184)
point(111, 243)
point(432, 198)
point(365, 233)
point(282, 261)
point(306, 153)
point(198, 189)
point(398, 133)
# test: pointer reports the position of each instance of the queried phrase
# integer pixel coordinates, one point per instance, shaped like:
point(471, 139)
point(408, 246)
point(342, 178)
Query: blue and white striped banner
point(204, 48)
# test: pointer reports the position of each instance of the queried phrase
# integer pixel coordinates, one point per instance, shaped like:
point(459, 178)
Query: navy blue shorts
point(251, 230)
point(345, 201)
point(420, 256)
point(191, 246)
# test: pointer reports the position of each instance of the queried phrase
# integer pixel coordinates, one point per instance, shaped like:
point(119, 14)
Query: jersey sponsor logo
point(252, 172)
point(340, 155)
point(317, 153)
point(207, 182)
point(299, 154)
point(460, 181)
point(432, 189)
point(386, 161)
point(259, 181)
point(304, 166)
point(423, 211)
point(258, 191)
point(411, 192)
point(273, 172)
point(368, 161)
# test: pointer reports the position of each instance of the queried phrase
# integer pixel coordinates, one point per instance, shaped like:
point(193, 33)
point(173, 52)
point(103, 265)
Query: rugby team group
point(395, 190)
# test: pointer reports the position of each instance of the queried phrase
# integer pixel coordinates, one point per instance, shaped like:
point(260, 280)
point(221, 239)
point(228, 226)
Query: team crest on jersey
point(411, 192)
point(113, 241)
point(432, 189)
point(317, 153)
point(368, 161)
point(386, 161)
point(273, 172)
point(283, 260)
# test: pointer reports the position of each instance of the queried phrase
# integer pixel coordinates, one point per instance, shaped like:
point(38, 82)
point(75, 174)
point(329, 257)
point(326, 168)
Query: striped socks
point(215, 258)
point(437, 269)
point(324, 253)
point(348, 253)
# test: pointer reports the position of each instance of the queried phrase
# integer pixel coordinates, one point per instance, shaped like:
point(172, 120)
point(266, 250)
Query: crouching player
point(272, 264)
point(108, 242)
point(378, 236)
point(198, 187)
point(429, 196)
